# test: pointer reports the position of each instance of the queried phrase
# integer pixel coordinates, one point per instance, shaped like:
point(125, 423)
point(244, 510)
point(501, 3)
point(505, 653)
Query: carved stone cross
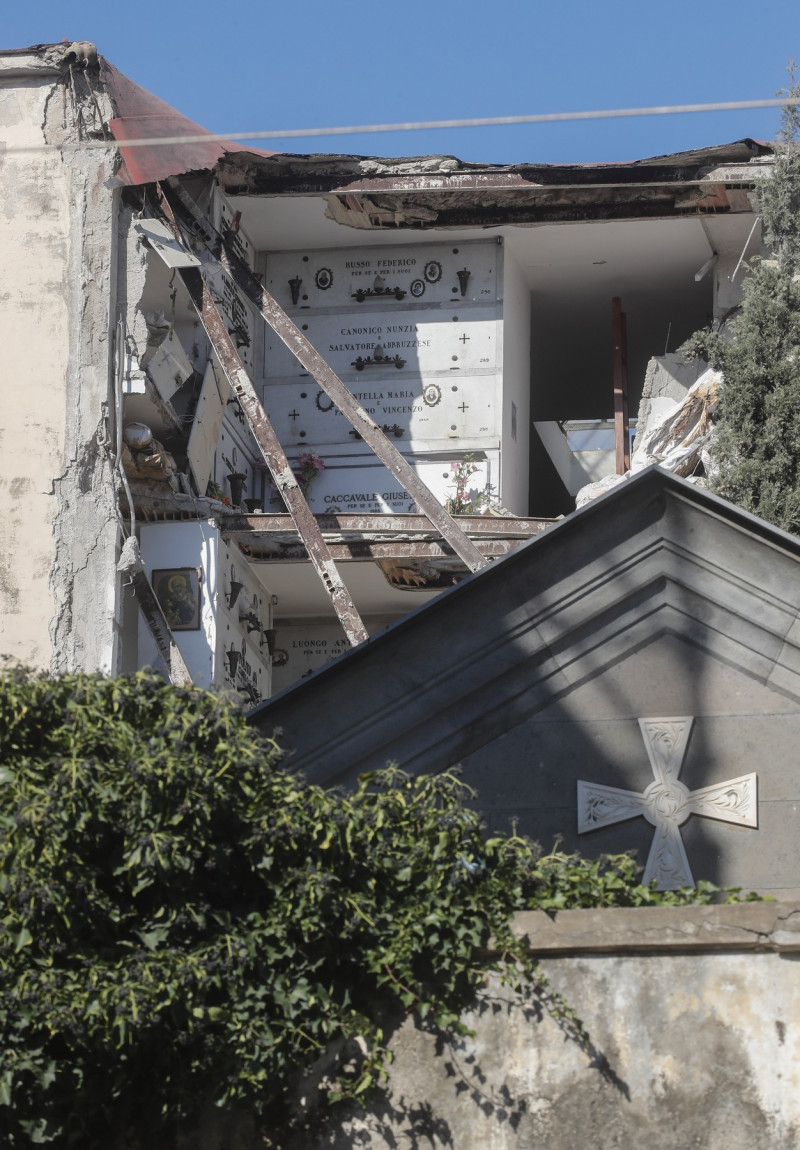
point(667, 803)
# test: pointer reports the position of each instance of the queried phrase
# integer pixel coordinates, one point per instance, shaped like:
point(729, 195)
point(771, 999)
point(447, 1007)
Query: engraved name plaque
point(372, 344)
point(390, 275)
point(406, 409)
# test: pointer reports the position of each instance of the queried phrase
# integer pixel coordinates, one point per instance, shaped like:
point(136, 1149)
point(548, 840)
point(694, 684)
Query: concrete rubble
point(673, 432)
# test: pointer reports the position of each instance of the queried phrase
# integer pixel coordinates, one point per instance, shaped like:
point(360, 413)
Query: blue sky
point(258, 65)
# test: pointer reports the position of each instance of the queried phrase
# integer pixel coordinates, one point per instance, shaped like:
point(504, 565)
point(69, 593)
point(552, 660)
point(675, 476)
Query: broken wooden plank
point(352, 549)
point(153, 505)
point(380, 526)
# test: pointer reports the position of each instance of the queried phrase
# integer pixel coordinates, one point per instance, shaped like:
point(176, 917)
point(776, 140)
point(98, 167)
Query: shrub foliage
point(758, 442)
point(185, 922)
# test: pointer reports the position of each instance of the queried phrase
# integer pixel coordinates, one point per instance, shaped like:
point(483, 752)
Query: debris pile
point(679, 440)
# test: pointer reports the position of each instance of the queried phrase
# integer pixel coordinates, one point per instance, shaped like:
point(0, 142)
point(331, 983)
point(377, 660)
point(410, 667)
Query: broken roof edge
point(657, 479)
point(143, 116)
point(36, 60)
point(138, 114)
point(446, 168)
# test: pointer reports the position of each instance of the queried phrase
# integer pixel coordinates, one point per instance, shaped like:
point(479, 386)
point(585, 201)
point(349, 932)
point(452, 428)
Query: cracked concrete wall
point(693, 1044)
point(693, 1019)
point(132, 267)
point(84, 579)
point(34, 341)
point(58, 528)
point(694, 1052)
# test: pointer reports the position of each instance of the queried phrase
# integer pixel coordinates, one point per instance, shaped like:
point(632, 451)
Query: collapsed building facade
point(261, 406)
point(242, 391)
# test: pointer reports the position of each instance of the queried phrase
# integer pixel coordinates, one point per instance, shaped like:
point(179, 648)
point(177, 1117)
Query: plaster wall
point(58, 529)
point(690, 1043)
point(691, 1015)
point(185, 545)
point(85, 627)
point(516, 336)
point(735, 240)
point(34, 355)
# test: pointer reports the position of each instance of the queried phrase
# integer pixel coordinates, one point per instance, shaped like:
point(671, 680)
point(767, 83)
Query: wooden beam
point(360, 549)
point(345, 401)
point(273, 454)
point(379, 526)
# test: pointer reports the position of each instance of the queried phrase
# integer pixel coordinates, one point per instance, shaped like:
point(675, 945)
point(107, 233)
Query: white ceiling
point(301, 593)
point(555, 255)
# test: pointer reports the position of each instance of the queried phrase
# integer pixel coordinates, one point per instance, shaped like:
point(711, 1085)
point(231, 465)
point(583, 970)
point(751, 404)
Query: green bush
point(757, 447)
point(183, 922)
point(758, 441)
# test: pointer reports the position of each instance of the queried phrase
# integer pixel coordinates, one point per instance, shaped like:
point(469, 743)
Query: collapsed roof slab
point(443, 192)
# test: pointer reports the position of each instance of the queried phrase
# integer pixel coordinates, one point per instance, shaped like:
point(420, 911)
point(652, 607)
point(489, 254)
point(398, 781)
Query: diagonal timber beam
point(274, 457)
point(344, 399)
point(269, 445)
point(351, 409)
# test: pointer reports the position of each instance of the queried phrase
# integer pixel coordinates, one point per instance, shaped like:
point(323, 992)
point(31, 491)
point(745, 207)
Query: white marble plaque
point(370, 345)
point(169, 367)
point(406, 410)
point(237, 312)
point(244, 615)
point(244, 665)
point(226, 219)
point(362, 485)
point(207, 424)
point(301, 650)
point(391, 275)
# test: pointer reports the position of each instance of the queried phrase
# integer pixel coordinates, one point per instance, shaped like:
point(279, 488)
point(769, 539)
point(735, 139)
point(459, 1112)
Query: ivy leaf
point(22, 938)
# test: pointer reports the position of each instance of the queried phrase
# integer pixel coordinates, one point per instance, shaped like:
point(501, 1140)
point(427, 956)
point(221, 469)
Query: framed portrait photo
point(178, 591)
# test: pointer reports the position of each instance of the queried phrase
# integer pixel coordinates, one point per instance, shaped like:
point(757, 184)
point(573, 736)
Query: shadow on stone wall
point(419, 1116)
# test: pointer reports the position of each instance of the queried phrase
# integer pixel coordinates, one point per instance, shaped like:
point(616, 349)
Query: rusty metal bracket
point(344, 399)
point(271, 450)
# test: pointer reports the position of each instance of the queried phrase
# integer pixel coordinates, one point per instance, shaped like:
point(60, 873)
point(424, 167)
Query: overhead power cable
point(412, 126)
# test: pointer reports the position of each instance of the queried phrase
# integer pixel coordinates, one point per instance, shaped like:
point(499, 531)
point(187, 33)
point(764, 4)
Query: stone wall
point(693, 1017)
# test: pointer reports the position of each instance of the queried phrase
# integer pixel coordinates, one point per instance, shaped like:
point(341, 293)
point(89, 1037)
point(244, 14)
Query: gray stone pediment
point(656, 600)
